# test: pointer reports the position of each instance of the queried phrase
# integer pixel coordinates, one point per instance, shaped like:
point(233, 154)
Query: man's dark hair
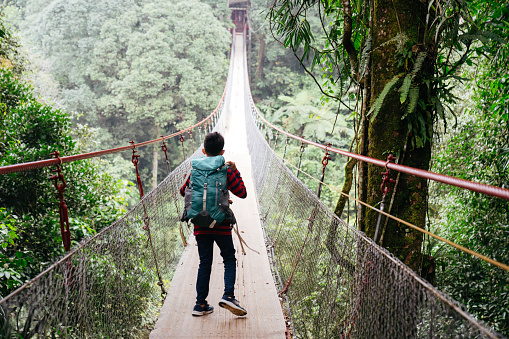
point(213, 143)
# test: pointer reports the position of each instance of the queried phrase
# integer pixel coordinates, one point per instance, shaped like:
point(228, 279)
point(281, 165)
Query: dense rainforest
point(427, 83)
point(424, 81)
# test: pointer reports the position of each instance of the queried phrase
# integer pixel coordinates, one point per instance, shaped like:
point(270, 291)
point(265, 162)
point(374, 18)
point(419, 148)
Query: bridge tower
point(239, 14)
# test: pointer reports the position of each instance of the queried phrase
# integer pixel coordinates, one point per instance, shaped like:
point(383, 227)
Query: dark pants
point(205, 249)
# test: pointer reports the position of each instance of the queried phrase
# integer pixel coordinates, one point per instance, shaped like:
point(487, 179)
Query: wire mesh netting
point(336, 282)
point(107, 286)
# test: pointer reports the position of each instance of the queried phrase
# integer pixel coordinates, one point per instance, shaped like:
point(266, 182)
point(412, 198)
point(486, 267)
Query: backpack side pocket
point(188, 199)
point(224, 200)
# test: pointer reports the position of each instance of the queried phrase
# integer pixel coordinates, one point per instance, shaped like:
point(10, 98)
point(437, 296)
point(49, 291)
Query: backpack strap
point(187, 176)
point(223, 166)
point(205, 196)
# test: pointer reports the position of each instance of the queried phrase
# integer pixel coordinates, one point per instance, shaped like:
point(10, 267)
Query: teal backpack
point(207, 198)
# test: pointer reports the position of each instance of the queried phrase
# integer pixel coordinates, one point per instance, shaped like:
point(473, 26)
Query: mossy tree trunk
point(260, 38)
point(396, 25)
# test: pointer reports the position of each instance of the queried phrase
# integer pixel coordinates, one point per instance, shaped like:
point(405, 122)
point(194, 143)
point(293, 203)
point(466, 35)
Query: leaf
point(377, 105)
point(405, 88)
point(418, 62)
point(414, 97)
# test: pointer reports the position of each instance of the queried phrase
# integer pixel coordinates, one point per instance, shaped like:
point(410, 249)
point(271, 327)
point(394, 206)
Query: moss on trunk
point(397, 25)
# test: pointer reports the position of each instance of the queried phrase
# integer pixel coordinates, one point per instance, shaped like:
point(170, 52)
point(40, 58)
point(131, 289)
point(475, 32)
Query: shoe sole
point(232, 308)
point(198, 313)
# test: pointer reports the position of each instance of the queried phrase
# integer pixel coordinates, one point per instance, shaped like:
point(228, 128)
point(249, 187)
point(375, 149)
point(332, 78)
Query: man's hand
point(232, 165)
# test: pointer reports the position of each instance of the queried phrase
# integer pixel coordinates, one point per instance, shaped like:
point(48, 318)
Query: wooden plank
point(254, 286)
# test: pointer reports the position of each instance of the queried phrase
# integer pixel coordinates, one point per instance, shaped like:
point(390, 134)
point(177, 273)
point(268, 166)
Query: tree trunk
point(393, 21)
point(156, 158)
point(397, 26)
point(259, 60)
point(346, 187)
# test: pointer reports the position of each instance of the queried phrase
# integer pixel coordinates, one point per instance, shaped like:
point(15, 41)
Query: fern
point(418, 62)
point(405, 88)
point(414, 98)
point(377, 105)
point(410, 77)
point(399, 39)
point(483, 36)
point(493, 36)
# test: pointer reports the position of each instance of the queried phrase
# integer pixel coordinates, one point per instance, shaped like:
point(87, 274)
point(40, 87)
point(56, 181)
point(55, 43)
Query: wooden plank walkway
point(254, 286)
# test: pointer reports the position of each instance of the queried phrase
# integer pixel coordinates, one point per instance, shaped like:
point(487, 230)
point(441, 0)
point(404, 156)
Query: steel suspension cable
point(406, 223)
point(71, 158)
point(453, 181)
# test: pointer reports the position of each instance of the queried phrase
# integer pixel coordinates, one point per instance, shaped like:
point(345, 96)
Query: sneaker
point(232, 305)
point(199, 310)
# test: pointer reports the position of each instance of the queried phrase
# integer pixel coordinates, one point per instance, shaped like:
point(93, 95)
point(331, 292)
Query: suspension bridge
point(302, 271)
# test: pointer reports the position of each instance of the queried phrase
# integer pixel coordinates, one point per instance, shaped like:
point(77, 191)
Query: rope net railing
point(335, 281)
point(110, 285)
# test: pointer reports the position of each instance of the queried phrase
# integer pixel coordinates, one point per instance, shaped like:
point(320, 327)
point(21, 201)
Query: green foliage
point(10, 56)
point(30, 228)
point(161, 61)
point(493, 82)
point(304, 115)
point(454, 33)
point(65, 33)
point(135, 68)
point(377, 105)
point(9, 267)
point(475, 150)
point(405, 88)
point(296, 24)
point(7, 229)
point(279, 79)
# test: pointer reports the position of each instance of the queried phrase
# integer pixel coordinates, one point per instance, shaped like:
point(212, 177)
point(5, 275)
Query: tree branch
point(347, 35)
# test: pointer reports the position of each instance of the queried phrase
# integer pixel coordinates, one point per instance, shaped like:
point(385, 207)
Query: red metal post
point(135, 158)
point(325, 161)
point(183, 150)
point(164, 148)
point(386, 186)
point(64, 217)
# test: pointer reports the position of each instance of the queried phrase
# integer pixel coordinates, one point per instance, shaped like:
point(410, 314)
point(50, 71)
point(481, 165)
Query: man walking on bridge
point(213, 222)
